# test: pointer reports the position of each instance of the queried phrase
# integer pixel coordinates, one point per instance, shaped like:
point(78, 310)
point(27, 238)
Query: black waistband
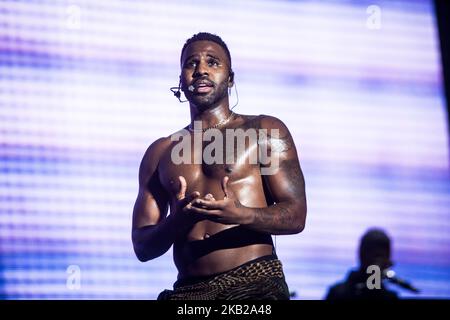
point(230, 238)
point(194, 280)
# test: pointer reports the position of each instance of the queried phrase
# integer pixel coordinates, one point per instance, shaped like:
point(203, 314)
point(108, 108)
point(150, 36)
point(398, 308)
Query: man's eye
point(213, 62)
point(190, 64)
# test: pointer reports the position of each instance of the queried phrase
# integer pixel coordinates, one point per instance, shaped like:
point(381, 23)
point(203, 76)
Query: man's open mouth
point(203, 86)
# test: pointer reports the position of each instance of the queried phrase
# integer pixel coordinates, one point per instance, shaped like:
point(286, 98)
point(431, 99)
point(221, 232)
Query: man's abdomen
point(221, 251)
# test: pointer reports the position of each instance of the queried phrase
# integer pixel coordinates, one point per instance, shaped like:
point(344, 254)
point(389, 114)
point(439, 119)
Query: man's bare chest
point(207, 162)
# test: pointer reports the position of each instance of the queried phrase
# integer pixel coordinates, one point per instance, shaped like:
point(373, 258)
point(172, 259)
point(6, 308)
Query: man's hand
point(183, 204)
point(226, 211)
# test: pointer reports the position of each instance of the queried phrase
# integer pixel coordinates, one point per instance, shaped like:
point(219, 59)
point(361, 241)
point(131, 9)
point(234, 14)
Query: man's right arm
point(153, 232)
point(150, 239)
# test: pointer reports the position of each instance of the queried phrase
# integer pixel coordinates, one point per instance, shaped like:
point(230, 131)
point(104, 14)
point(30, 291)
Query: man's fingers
point(209, 205)
point(224, 186)
point(210, 197)
point(205, 212)
point(191, 197)
point(186, 203)
point(182, 190)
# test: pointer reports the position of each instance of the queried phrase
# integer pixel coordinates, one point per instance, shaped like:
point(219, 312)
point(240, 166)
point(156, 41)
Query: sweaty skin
point(221, 215)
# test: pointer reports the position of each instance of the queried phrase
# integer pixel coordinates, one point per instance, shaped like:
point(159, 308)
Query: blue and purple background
point(84, 89)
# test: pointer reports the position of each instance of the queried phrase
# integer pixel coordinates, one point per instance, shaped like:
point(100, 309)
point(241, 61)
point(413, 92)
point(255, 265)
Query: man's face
point(377, 256)
point(205, 66)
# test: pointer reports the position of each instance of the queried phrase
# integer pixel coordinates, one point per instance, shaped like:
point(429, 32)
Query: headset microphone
point(191, 88)
point(177, 92)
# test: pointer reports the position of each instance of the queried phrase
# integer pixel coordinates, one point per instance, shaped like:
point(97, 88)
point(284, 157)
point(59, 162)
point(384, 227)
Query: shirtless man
point(222, 214)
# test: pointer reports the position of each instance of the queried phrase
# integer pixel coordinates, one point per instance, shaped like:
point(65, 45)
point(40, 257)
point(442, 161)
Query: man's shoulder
point(162, 144)
point(157, 148)
point(271, 122)
point(263, 121)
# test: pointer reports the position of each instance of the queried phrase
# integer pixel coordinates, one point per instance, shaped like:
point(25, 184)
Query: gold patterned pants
point(259, 279)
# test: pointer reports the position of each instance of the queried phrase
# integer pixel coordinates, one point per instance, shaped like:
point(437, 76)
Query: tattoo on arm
point(280, 144)
point(276, 218)
point(292, 170)
point(284, 215)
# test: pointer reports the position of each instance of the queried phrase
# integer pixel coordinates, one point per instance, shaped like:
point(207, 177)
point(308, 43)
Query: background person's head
point(375, 249)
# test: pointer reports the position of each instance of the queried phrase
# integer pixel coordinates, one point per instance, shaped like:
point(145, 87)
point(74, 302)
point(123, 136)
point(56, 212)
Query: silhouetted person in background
point(374, 249)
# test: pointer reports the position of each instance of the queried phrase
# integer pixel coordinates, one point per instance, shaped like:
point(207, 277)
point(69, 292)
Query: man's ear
point(231, 79)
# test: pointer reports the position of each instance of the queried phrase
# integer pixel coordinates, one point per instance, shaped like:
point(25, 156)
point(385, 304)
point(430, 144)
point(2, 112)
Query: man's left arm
point(284, 180)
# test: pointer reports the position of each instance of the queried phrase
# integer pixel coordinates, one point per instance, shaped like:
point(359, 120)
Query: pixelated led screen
point(84, 89)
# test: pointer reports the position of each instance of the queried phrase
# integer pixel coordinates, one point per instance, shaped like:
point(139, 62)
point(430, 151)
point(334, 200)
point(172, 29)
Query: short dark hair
point(206, 36)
